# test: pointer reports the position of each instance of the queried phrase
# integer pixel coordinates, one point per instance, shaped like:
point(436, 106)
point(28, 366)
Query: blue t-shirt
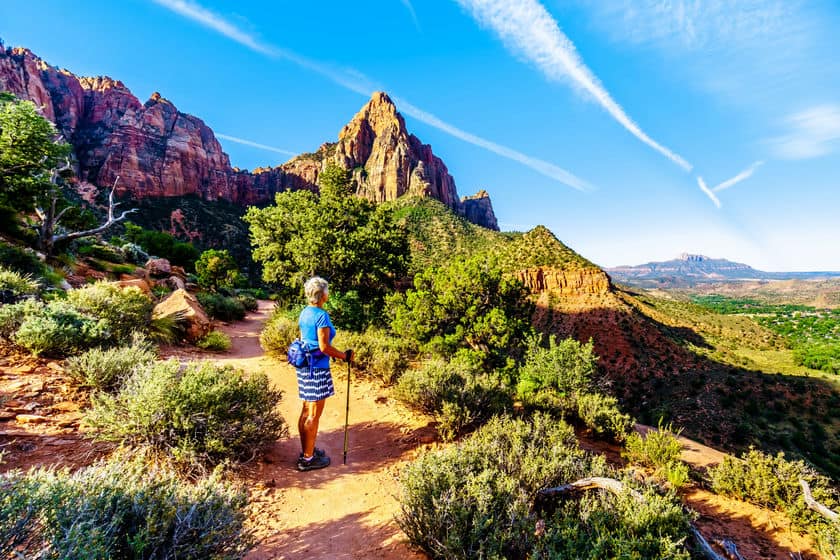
point(311, 319)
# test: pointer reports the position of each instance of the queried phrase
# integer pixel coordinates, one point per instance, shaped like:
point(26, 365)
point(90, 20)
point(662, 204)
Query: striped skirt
point(315, 384)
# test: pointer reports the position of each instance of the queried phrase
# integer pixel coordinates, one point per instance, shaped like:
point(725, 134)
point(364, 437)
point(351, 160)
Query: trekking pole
point(347, 411)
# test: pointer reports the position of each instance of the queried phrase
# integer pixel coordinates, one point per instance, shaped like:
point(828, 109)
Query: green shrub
point(603, 525)
point(656, 449)
point(601, 414)
point(135, 254)
point(249, 302)
point(18, 283)
point(217, 269)
point(162, 245)
point(216, 341)
point(200, 413)
point(102, 252)
point(105, 370)
point(60, 330)
point(475, 500)
point(468, 304)
point(278, 333)
point(456, 393)
point(124, 310)
point(552, 376)
point(12, 316)
point(21, 260)
point(221, 307)
point(378, 353)
point(122, 508)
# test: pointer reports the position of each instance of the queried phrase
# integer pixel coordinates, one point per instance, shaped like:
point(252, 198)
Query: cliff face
point(387, 161)
point(589, 281)
point(158, 151)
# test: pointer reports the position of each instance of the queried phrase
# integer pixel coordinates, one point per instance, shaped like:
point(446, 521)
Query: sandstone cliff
point(158, 151)
point(562, 281)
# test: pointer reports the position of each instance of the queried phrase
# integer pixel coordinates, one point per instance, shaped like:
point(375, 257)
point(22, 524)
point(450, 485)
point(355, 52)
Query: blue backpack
point(298, 354)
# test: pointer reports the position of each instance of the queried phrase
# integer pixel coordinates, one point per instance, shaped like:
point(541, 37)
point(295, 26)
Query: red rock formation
point(387, 161)
point(565, 281)
point(159, 151)
point(479, 210)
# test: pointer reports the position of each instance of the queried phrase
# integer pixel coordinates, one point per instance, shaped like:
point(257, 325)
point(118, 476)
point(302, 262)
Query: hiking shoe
point(314, 463)
point(318, 453)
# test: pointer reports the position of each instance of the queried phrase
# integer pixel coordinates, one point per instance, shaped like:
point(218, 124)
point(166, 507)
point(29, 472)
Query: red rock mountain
point(158, 151)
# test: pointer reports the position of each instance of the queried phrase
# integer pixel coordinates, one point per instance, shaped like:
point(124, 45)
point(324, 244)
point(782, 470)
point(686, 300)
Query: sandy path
point(343, 511)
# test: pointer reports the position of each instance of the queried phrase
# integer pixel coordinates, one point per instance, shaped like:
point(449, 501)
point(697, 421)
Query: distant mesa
point(158, 151)
point(690, 268)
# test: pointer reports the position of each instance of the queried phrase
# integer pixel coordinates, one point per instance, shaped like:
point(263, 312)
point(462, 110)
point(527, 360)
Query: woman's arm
point(325, 346)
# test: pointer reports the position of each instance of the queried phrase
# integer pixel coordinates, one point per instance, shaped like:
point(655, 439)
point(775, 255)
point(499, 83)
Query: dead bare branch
point(815, 505)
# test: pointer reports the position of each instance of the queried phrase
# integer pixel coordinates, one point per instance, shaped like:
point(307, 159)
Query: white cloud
point(357, 82)
point(529, 31)
point(708, 191)
point(745, 174)
point(812, 133)
point(255, 144)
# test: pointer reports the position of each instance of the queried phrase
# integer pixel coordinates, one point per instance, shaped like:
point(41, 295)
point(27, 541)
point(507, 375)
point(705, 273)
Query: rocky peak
point(388, 162)
point(479, 210)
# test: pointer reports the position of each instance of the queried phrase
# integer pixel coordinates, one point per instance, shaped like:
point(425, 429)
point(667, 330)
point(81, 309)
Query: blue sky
point(634, 129)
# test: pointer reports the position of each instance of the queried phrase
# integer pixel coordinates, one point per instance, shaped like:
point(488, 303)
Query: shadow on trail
point(351, 537)
point(372, 446)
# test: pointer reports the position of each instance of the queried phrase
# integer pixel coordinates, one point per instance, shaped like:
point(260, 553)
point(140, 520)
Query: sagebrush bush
point(279, 331)
point(200, 413)
point(248, 301)
point(552, 376)
point(123, 508)
point(772, 481)
point(378, 353)
point(603, 525)
point(476, 500)
point(12, 316)
point(602, 415)
point(660, 450)
point(59, 330)
point(457, 393)
point(216, 341)
point(18, 283)
point(124, 310)
point(221, 307)
point(105, 369)
point(135, 254)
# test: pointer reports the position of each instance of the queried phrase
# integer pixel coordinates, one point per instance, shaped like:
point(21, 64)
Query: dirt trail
point(343, 511)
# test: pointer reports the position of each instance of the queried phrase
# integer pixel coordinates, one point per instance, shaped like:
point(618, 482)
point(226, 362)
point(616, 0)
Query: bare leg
point(310, 415)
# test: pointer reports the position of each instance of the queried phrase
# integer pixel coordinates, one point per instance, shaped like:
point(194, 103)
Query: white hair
point(315, 289)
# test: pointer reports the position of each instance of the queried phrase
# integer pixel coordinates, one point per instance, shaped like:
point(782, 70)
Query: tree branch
point(110, 222)
point(815, 505)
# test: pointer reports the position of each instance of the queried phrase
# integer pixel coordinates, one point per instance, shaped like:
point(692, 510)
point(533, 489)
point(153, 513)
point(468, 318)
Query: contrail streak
point(543, 167)
point(745, 174)
point(410, 8)
point(358, 83)
point(708, 191)
point(529, 31)
point(255, 144)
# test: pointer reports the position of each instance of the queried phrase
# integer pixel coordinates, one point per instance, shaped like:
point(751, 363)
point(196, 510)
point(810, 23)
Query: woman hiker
point(315, 382)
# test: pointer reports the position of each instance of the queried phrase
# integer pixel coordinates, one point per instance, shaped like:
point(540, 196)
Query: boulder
point(158, 268)
point(185, 307)
point(175, 283)
point(139, 283)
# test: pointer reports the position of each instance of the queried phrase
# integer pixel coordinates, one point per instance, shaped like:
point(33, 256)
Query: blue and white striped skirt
point(315, 384)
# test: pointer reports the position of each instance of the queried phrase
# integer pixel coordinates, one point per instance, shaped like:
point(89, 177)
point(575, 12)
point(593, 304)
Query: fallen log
point(814, 504)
